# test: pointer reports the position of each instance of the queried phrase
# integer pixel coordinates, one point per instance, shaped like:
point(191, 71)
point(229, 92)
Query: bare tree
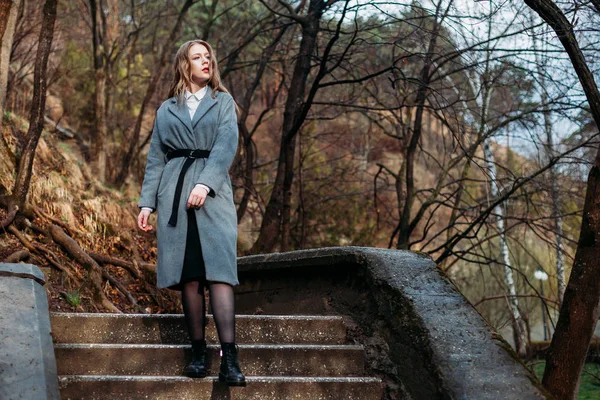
point(157, 72)
point(246, 131)
point(109, 43)
point(97, 151)
point(580, 308)
point(404, 226)
point(36, 117)
point(276, 220)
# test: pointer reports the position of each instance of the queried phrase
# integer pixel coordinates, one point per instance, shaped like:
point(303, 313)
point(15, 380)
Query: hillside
point(64, 194)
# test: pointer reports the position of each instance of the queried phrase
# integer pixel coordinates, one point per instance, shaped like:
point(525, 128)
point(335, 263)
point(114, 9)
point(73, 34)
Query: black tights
point(221, 304)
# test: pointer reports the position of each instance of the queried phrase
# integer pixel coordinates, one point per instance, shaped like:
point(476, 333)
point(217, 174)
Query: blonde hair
point(182, 76)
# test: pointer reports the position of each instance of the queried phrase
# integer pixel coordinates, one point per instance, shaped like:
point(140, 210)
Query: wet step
point(255, 359)
point(128, 356)
point(83, 387)
point(171, 329)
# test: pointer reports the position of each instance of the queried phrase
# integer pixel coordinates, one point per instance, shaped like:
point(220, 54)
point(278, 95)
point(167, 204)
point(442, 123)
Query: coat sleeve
point(154, 169)
point(223, 152)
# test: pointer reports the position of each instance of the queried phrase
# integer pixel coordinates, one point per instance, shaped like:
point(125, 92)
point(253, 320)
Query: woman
point(187, 182)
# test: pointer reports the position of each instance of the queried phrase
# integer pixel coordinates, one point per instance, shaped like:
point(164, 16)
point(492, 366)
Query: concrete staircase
point(126, 356)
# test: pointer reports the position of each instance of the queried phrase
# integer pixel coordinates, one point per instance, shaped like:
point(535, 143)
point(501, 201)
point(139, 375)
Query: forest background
point(453, 128)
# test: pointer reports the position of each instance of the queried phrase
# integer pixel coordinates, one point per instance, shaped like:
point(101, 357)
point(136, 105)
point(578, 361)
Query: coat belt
point(190, 154)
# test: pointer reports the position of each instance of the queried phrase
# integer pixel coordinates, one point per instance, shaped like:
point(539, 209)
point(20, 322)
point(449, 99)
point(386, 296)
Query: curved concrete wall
point(423, 337)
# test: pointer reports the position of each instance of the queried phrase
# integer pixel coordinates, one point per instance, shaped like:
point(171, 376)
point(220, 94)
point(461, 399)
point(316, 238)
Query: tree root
point(123, 290)
point(10, 217)
point(28, 245)
point(94, 270)
point(128, 240)
point(117, 262)
point(90, 261)
point(42, 214)
point(147, 270)
point(38, 249)
point(36, 228)
point(53, 260)
point(17, 256)
point(103, 259)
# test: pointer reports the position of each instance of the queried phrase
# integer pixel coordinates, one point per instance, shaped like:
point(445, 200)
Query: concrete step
point(84, 387)
point(170, 329)
point(255, 359)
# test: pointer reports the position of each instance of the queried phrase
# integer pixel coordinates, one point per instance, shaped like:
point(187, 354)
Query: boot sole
point(231, 383)
point(191, 374)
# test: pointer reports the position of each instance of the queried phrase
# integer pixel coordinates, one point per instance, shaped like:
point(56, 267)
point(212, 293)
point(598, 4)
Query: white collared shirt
point(192, 100)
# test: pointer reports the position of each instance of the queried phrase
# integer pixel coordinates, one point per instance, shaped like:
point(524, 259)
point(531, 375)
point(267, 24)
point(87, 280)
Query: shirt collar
point(198, 95)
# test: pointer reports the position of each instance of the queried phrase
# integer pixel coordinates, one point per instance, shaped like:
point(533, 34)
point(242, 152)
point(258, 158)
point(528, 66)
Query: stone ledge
point(441, 347)
point(299, 258)
point(22, 271)
point(27, 364)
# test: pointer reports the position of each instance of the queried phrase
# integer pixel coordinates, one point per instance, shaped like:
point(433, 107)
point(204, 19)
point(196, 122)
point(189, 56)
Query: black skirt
point(193, 262)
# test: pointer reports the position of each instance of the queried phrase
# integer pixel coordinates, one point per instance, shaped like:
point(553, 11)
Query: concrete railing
point(27, 364)
point(420, 334)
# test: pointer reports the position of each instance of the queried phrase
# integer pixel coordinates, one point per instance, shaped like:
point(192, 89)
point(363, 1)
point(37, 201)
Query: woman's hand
point(142, 220)
point(197, 196)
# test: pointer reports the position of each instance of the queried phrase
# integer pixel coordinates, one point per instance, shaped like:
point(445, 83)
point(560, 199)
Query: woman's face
point(199, 64)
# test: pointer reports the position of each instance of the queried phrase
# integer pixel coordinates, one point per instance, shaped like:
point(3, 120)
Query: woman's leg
point(192, 299)
point(221, 303)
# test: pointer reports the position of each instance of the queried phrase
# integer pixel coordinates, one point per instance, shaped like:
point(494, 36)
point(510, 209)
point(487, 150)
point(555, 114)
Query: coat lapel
point(182, 113)
point(206, 104)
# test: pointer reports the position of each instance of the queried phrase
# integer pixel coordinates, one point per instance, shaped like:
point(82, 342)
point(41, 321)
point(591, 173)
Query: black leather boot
point(230, 369)
point(197, 367)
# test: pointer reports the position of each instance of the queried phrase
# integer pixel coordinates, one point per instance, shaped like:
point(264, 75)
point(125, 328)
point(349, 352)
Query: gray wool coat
point(214, 128)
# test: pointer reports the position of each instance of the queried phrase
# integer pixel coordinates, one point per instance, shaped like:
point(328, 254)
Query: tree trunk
point(558, 230)
point(38, 104)
point(97, 156)
point(247, 171)
point(8, 18)
point(246, 134)
point(579, 311)
point(403, 226)
point(499, 211)
point(287, 194)
point(399, 186)
point(275, 223)
point(302, 214)
point(457, 200)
